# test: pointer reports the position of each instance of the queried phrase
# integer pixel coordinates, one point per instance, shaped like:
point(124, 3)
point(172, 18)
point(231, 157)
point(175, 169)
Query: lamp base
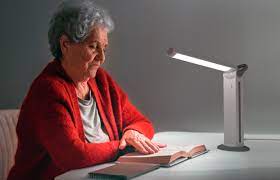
point(230, 148)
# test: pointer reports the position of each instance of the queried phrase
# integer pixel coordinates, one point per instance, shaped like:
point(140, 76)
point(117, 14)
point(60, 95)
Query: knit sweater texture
point(51, 138)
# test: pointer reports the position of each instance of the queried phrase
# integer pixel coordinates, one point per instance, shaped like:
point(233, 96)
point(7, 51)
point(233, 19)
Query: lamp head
point(241, 69)
point(171, 52)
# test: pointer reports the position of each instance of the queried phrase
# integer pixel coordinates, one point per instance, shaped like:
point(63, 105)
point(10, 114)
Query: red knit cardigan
point(50, 132)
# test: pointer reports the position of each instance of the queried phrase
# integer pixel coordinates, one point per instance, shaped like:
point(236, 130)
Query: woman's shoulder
point(52, 77)
point(53, 73)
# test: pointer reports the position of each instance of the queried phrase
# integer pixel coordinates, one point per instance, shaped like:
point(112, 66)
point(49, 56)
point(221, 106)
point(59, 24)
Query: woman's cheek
point(90, 57)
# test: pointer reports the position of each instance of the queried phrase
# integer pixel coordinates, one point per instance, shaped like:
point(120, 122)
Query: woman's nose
point(101, 54)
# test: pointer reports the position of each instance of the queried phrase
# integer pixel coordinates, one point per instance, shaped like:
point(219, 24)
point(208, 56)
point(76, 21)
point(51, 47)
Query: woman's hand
point(140, 142)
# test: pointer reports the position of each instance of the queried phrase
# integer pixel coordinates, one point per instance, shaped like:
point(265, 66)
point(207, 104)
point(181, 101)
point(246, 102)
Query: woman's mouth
point(94, 65)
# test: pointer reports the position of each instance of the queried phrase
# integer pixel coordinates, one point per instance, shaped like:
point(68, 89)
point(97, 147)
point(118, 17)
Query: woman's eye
point(93, 46)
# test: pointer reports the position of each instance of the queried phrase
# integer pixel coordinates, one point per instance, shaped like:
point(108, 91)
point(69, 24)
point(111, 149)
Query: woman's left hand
point(140, 142)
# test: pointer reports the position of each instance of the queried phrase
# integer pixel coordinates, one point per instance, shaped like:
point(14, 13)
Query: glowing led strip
point(197, 61)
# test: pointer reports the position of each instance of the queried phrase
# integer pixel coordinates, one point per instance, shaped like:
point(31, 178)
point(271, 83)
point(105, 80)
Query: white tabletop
point(262, 162)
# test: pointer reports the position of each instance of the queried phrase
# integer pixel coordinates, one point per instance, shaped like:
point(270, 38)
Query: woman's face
point(86, 57)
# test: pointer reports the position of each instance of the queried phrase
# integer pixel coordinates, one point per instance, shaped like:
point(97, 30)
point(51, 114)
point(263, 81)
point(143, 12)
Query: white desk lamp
point(233, 100)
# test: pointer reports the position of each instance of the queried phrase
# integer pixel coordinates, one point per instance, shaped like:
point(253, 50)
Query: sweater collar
point(96, 93)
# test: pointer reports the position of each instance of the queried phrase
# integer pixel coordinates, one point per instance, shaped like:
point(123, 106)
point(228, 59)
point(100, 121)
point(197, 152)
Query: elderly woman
point(75, 115)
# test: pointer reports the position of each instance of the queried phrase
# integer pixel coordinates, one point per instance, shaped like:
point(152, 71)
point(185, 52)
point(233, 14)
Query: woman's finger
point(148, 148)
point(139, 147)
point(160, 145)
point(122, 144)
point(152, 145)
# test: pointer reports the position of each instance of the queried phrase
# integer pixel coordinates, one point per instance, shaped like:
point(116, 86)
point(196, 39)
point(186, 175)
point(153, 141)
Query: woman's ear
point(64, 44)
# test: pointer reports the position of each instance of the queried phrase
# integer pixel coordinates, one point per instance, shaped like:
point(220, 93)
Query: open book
point(134, 164)
point(167, 156)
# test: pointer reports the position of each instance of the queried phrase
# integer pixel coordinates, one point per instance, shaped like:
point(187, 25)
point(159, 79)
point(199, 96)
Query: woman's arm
point(135, 120)
point(137, 129)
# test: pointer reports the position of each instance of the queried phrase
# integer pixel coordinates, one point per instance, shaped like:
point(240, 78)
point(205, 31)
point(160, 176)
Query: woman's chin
point(92, 73)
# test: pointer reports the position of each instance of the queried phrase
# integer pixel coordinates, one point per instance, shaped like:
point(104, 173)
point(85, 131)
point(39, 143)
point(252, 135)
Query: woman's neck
point(81, 86)
point(76, 76)
point(82, 90)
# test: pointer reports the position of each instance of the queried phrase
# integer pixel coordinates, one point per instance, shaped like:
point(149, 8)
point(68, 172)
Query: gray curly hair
point(75, 19)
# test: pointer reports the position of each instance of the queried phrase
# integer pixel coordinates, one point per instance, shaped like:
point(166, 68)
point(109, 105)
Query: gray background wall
point(173, 94)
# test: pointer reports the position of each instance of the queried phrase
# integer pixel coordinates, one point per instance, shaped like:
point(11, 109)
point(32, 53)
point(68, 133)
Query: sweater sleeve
point(57, 133)
point(132, 118)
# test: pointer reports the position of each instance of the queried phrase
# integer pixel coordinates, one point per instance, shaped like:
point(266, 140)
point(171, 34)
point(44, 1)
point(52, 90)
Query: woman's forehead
point(99, 34)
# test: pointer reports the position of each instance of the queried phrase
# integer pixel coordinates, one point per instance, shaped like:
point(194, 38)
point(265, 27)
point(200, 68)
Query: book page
point(188, 148)
point(195, 149)
point(167, 151)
